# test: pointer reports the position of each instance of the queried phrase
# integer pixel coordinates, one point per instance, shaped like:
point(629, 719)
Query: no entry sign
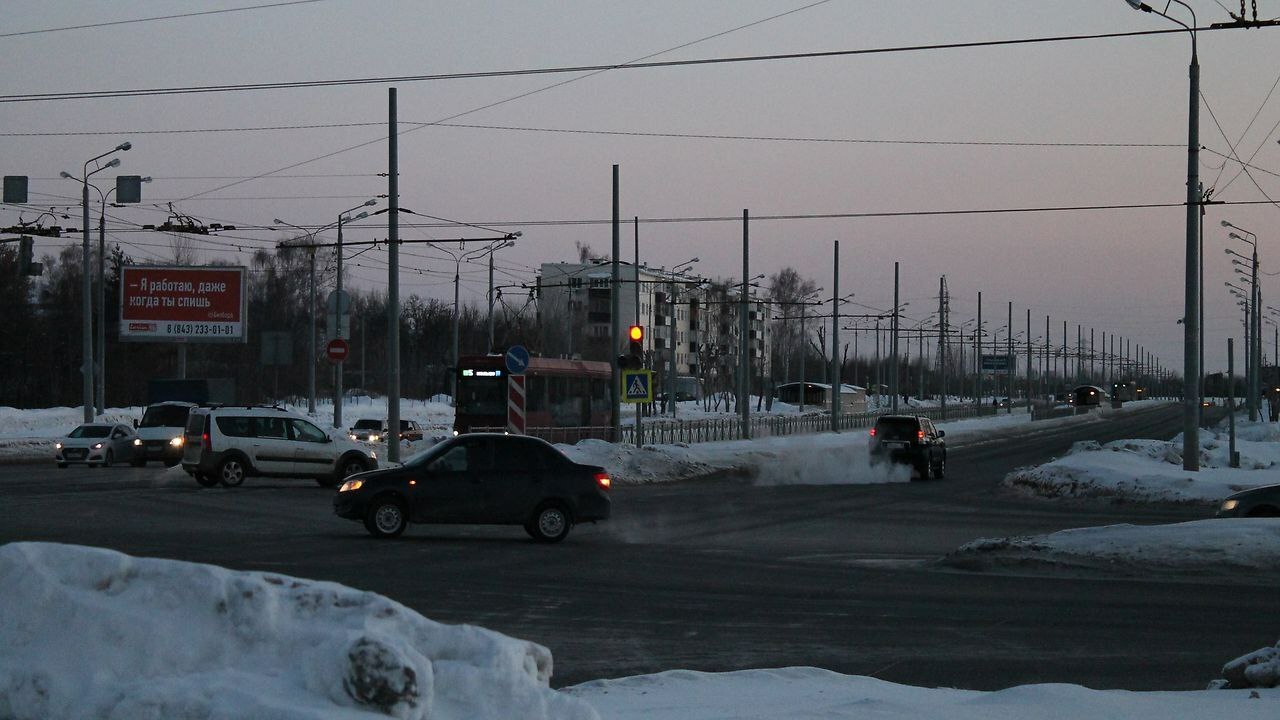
point(337, 350)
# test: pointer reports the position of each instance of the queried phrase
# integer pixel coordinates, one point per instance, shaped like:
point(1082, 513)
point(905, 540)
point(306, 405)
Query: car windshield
point(165, 416)
point(90, 431)
point(897, 428)
point(367, 424)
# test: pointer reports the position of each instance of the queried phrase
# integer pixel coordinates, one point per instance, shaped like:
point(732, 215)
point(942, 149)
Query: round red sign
point(337, 350)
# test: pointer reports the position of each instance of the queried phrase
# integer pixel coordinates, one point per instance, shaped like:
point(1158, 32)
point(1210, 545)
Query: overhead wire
point(111, 23)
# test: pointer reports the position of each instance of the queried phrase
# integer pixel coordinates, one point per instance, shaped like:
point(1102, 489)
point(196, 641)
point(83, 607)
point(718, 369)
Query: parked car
point(1256, 502)
point(367, 430)
point(227, 444)
point(95, 444)
point(479, 478)
point(910, 440)
point(409, 430)
point(160, 433)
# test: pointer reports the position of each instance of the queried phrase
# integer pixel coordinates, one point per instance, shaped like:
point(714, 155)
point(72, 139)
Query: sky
point(1118, 271)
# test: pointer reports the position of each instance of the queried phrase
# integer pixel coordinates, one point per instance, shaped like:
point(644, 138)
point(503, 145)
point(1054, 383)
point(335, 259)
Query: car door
point(516, 485)
point(312, 449)
point(931, 442)
point(271, 450)
point(122, 443)
point(451, 487)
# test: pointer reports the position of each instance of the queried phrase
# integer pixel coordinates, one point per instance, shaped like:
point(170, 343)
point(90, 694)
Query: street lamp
point(311, 336)
point(339, 310)
point(490, 252)
point(676, 271)
point(1255, 323)
point(1191, 327)
point(102, 293)
point(86, 369)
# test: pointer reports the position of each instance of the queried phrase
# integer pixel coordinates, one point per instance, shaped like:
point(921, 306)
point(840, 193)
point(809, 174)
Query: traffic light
point(634, 359)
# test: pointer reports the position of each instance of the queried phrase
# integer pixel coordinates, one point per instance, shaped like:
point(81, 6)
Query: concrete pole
point(803, 352)
point(1029, 352)
point(744, 327)
point(636, 277)
point(490, 301)
point(102, 310)
point(893, 347)
point(311, 337)
point(457, 272)
point(977, 353)
point(86, 368)
point(393, 278)
point(1233, 458)
point(615, 319)
point(942, 346)
point(836, 385)
point(1191, 305)
point(337, 368)
point(1013, 367)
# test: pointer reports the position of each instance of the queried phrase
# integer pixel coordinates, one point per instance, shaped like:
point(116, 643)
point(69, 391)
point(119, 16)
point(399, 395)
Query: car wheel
point(385, 518)
point(940, 470)
point(550, 523)
point(923, 469)
point(231, 472)
point(205, 480)
point(62, 466)
point(110, 458)
point(350, 466)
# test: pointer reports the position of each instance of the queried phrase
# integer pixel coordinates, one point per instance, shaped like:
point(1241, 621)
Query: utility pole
point(942, 344)
point(615, 321)
point(1013, 366)
point(744, 329)
point(1028, 362)
point(836, 385)
point(977, 353)
point(393, 280)
point(639, 407)
point(893, 347)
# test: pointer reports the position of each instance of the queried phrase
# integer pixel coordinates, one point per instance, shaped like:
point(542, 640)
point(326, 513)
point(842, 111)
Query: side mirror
point(328, 438)
point(135, 423)
point(942, 433)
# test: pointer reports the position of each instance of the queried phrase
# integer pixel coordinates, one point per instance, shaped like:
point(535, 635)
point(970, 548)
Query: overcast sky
point(1118, 271)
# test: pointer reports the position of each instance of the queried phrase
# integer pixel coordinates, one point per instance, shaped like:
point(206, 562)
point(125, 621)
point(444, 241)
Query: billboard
point(998, 364)
point(182, 304)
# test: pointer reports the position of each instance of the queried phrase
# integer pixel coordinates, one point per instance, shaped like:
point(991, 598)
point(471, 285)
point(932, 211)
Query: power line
point(156, 18)
point(729, 60)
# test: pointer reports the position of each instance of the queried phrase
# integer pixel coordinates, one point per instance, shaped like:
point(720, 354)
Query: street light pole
point(311, 337)
point(338, 311)
point(87, 366)
point(1191, 302)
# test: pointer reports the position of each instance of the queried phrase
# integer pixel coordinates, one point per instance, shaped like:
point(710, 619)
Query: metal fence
point(658, 431)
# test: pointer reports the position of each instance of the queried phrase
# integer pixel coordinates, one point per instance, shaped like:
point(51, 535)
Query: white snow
point(1232, 549)
point(805, 693)
point(90, 633)
point(1151, 470)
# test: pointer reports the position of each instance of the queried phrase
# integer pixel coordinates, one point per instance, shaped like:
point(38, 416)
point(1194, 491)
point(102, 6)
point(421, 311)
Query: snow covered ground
point(91, 633)
point(1151, 470)
point(1245, 550)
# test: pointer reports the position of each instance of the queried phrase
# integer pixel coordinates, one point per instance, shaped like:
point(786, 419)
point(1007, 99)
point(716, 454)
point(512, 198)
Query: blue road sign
point(637, 386)
point(517, 359)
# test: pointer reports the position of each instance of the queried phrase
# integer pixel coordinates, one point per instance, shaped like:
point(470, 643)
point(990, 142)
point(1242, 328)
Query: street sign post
point(337, 350)
point(637, 386)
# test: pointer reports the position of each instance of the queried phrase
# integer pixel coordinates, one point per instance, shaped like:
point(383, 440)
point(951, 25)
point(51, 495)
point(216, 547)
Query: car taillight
point(206, 443)
point(919, 434)
point(873, 432)
point(602, 479)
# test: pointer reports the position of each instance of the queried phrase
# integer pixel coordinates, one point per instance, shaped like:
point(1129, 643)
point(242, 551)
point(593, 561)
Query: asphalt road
point(720, 574)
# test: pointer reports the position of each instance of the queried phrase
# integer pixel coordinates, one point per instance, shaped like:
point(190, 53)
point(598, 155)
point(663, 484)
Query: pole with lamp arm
point(102, 285)
point(86, 290)
point(340, 310)
point(311, 335)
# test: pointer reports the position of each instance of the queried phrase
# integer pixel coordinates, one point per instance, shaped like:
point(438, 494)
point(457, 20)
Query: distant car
point(227, 444)
point(95, 444)
point(367, 430)
point(910, 440)
point(479, 478)
point(1256, 502)
point(160, 433)
point(409, 430)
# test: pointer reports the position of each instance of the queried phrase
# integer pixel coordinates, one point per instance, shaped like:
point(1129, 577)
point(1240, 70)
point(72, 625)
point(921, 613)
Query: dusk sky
point(1119, 271)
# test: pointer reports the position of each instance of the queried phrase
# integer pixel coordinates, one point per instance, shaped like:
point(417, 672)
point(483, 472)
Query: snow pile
point(1260, 668)
point(801, 693)
point(814, 459)
point(92, 633)
point(1151, 470)
point(1241, 549)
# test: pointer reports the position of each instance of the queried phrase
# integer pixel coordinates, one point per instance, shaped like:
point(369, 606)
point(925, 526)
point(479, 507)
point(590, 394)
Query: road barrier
point(658, 431)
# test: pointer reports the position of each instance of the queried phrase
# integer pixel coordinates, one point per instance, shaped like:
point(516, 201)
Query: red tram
point(565, 400)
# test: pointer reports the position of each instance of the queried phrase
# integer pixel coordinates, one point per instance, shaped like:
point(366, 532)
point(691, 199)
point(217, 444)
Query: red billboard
point(182, 304)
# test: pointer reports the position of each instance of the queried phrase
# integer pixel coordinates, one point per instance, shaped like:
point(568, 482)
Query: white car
point(160, 433)
point(96, 444)
point(367, 430)
point(227, 444)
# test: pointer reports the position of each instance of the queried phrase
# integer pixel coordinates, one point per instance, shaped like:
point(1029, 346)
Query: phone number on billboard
point(200, 329)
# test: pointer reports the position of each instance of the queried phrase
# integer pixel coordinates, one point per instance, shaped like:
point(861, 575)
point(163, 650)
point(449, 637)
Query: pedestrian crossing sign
point(637, 386)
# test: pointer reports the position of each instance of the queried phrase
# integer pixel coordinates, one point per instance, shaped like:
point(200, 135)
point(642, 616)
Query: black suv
point(910, 440)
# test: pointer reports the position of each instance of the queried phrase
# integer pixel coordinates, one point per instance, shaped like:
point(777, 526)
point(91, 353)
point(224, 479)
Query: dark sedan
point(1256, 502)
point(479, 478)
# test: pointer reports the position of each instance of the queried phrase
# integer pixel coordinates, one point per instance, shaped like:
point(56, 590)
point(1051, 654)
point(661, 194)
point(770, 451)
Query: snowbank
point(1241, 549)
point(800, 693)
point(92, 633)
point(1260, 668)
point(1151, 470)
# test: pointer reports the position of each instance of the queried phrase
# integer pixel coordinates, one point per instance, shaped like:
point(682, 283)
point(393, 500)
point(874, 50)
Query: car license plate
point(895, 444)
point(76, 453)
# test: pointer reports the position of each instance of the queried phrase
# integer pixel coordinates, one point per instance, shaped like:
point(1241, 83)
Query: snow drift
point(93, 633)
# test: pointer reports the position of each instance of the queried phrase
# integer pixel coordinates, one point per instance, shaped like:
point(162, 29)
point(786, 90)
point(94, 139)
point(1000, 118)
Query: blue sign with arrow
point(517, 359)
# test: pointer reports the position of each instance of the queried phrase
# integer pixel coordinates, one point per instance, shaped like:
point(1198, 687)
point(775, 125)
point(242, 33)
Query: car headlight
point(57, 446)
point(373, 455)
point(351, 485)
point(97, 446)
point(176, 442)
point(352, 436)
point(137, 442)
point(374, 437)
point(1230, 505)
